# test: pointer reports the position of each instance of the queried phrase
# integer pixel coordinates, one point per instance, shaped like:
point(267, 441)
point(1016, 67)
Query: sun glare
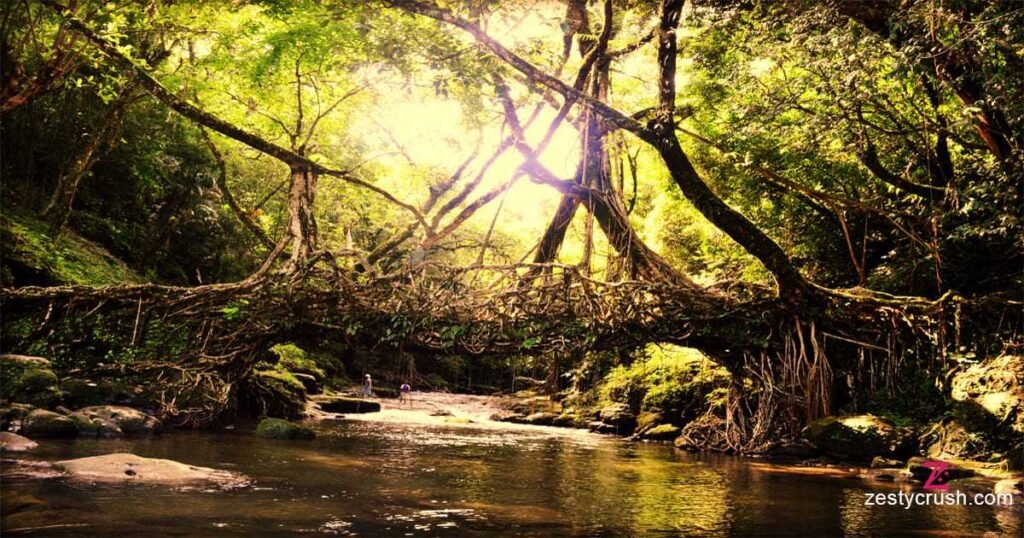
point(432, 131)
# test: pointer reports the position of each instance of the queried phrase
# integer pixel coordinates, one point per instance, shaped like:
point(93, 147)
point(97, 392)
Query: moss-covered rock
point(274, 391)
point(293, 359)
point(619, 417)
point(345, 404)
point(661, 432)
point(27, 379)
point(11, 414)
point(276, 428)
point(989, 396)
point(42, 423)
point(567, 420)
point(858, 437)
point(114, 421)
point(78, 393)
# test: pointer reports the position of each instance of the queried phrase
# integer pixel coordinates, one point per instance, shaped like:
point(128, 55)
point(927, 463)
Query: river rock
point(27, 379)
point(275, 428)
point(344, 404)
point(540, 419)
point(619, 417)
point(917, 470)
point(565, 420)
point(12, 442)
point(661, 432)
point(132, 469)
point(115, 421)
point(858, 437)
point(12, 414)
point(1011, 486)
point(42, 423)
point(878, 462)
point(950, 439)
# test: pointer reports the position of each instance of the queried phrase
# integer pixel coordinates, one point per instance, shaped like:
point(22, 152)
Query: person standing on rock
point(367, 386)
point(404, 395)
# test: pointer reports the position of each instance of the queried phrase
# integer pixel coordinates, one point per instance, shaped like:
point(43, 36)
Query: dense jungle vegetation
point(728, 218)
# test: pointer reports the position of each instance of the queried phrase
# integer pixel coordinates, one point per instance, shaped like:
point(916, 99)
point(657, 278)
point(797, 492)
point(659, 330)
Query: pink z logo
point(937, 478)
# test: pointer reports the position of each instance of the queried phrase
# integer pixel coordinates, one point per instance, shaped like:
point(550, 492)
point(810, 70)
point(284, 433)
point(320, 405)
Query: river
point(401, 473)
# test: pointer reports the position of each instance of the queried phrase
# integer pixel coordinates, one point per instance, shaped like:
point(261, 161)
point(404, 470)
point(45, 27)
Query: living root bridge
point(192, 345)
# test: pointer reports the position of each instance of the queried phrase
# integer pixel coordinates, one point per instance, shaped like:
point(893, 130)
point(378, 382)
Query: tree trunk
point(58, 209)
point(301, 223)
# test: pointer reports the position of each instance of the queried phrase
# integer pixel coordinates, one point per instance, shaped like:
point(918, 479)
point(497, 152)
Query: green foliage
point(667, 381)
point(32, 254)
point(292, 358)
point(916, 400)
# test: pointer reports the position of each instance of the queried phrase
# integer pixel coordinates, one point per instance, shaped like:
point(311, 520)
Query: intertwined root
point(191, 346)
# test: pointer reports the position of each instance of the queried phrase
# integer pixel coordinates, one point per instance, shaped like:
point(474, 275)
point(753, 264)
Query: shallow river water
point(409, 478)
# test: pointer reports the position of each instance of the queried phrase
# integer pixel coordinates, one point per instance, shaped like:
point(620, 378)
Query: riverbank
point(403, 471)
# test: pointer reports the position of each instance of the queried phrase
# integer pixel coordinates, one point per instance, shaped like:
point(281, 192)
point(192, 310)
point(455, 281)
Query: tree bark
point(301, 223)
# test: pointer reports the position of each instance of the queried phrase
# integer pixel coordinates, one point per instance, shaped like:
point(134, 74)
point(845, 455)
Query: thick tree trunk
point(554, 235)
point(301, 223)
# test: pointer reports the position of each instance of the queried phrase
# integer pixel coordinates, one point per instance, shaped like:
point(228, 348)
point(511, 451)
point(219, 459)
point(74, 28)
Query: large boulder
point(129, 468)
point(990, 396)
point(28, 380)
point(276, 428)
point(115, 421)
point(12, 442)
point(42, 423)
point(859, 437)
point(619, 417)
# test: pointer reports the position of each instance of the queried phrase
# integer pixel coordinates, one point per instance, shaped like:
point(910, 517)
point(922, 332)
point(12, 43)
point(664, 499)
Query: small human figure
point(367, 386)
point(404, 395)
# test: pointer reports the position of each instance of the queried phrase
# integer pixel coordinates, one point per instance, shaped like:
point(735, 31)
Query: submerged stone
point(276, 428)
point(129, 468)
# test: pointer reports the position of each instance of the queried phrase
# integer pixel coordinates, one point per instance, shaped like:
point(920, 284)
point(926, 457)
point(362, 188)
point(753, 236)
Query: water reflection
point(365, 478)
